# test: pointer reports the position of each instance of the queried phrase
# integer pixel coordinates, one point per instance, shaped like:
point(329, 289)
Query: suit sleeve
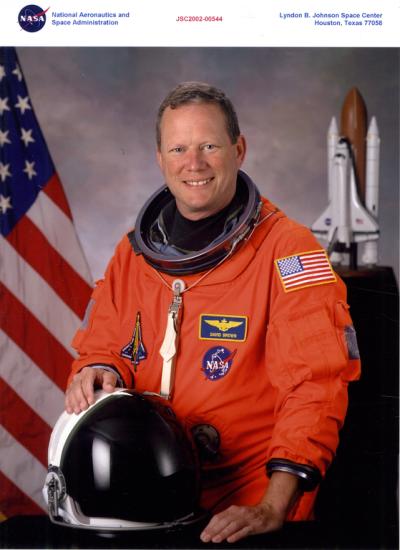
point(312, 355)
point(97, 340)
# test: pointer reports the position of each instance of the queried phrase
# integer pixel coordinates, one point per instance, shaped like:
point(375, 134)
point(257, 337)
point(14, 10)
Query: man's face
point(198, 160)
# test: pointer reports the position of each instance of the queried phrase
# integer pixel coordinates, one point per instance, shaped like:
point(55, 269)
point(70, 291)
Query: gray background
point(97, 106)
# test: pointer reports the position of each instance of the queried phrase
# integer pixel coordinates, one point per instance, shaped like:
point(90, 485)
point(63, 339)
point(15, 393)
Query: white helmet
point(123, 464)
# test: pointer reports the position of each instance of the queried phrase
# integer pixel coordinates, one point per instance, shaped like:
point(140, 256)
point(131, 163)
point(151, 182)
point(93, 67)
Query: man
point(221, 303)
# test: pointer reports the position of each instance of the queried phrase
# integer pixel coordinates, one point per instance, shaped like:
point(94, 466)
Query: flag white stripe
point(37, 296)
point(327, 274)
point(316, 255)
point(305, 273)
point(22, 468)
point(314, 262)
point(309, 280)
point(60, 232)
point(29, 381)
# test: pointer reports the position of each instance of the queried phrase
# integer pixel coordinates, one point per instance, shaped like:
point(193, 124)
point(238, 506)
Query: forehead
point(194, 116)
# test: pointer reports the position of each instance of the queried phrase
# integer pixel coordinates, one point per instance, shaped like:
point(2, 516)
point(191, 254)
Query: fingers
point(109, 381)
point(230, 525)
point(237, 522)
point(85, 386)
point(80, 392)
point(239, 534)
point(75, 397)
point(230, 530)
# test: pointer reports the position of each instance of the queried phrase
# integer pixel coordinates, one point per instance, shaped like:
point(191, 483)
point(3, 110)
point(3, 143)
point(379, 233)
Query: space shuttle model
point(353, 186)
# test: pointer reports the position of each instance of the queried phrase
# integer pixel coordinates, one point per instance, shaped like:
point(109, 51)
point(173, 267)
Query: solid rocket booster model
point(353, 185)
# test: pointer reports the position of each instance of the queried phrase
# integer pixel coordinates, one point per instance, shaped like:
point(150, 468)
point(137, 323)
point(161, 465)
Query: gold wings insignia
point(224, 325)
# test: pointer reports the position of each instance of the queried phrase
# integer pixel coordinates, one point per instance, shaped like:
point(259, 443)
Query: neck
point(195, 234)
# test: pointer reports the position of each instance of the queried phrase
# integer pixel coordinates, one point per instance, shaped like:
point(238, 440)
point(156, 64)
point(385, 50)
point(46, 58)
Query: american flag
point(45, 285)
point(305, 269)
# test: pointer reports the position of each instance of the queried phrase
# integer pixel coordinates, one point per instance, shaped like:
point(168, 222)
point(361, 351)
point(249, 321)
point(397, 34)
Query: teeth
point(197, 183)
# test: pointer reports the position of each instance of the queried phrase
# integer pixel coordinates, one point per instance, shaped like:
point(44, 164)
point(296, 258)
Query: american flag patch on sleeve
point(305, 269)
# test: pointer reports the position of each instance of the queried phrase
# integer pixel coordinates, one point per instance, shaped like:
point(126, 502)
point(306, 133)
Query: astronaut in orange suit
point(229, 309)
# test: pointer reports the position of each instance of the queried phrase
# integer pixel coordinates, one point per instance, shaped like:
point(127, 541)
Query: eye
point(178, 149)
point(209, 147)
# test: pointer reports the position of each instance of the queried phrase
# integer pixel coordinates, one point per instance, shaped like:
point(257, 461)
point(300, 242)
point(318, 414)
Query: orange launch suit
point(283, 392)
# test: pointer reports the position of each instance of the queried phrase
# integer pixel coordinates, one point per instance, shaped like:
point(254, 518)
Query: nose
point(195, 160)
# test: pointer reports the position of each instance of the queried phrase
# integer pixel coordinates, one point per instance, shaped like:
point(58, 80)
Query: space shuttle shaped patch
point(135, 350)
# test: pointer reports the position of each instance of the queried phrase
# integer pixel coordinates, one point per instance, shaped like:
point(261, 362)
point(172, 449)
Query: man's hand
point(80, 392)
point(237, 522)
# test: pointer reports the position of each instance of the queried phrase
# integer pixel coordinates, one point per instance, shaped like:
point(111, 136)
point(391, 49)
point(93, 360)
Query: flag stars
point(29, 169)
point(5, 204)
point(3, 105)
point(26, 136)
point(17, 72)
point(4, 171)
point(23, 104)
point(2, 72)
point(4, 138)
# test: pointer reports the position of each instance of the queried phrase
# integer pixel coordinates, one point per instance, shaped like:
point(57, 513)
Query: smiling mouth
point(197, 183)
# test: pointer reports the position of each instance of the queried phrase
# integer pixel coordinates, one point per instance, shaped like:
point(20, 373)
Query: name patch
point(223, 327)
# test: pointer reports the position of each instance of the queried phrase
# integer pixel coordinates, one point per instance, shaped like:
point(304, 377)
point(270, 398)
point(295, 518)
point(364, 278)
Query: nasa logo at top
point(32, 18)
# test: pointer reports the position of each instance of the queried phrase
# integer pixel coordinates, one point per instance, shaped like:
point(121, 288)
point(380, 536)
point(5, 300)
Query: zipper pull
point(169, 347)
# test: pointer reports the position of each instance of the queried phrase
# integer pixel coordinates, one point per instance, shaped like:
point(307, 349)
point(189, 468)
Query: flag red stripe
point(23, 423)
point(310, 281)
point(32, 245)
point(34, 339)
point(55, 191)
point(312, 263)
point(310, 276)
point(312, 255)
point(308, 273)
point(13, 502)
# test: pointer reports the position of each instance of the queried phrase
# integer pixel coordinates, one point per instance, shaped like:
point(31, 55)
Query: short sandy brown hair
point(199, 92)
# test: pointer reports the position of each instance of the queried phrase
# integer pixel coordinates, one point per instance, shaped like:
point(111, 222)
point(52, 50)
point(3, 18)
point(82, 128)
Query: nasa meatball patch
point(217, 362)
point(223, 327)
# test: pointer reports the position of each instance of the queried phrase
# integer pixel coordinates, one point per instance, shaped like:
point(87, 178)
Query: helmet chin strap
point(169, 347)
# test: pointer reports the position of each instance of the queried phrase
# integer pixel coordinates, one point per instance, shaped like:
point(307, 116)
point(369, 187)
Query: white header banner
point(234, 23)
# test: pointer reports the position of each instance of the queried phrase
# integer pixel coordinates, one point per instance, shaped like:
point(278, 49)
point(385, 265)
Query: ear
point(241, 148)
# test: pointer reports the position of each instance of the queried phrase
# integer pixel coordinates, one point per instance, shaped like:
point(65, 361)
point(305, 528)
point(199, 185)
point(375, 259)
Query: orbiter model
point(353, 186)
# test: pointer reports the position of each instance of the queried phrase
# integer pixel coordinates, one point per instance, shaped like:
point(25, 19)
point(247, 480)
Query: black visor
point(129, 458)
